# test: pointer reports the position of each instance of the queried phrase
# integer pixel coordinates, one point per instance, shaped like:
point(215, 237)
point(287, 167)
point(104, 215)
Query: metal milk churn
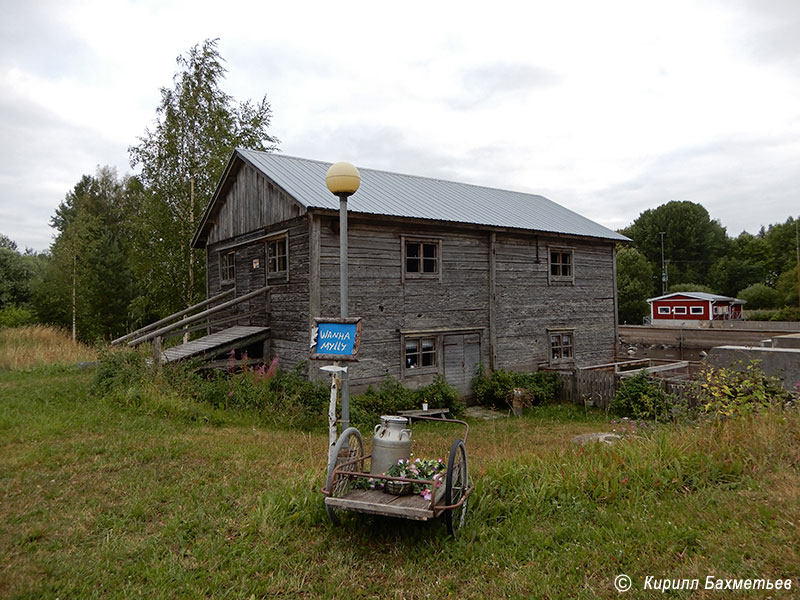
point(391, 442)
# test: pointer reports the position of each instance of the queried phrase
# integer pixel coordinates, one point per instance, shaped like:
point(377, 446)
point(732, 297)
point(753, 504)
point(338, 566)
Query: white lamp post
point(343, 180)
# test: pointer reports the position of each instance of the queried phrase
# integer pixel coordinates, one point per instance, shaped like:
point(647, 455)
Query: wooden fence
point(586, 387)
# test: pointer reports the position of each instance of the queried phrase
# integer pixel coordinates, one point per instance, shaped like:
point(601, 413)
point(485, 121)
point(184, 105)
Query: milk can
point(391, 442)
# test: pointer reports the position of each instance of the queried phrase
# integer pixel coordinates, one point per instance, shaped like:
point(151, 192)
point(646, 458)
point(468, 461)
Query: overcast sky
point(608, 108)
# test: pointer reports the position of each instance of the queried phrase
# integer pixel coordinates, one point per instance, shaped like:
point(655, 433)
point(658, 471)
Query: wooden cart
point(348, 466)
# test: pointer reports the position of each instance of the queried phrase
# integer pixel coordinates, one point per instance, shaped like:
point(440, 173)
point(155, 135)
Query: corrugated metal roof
point(394, 194)
point(700, 296)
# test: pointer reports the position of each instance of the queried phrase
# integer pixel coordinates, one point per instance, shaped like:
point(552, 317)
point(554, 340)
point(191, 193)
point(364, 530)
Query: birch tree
point(181, 158)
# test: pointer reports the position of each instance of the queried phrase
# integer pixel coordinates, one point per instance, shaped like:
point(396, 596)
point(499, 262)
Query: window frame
point(560, 278)
point(680, 310)
point(696, 310)
point(664, 310)
point(422, 274)
point(562, 334)
point(270, 273)
point(433, 354)
point(227, 267)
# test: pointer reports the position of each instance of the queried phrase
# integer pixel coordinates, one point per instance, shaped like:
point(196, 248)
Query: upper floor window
point(561, 265)
point(227, 267)
point(277, 256)
point(422, 257)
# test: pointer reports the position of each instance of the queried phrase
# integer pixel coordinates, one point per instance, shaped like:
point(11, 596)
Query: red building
point(694, 306)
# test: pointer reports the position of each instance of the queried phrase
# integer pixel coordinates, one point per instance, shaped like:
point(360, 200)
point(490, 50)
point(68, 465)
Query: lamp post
point(343, 180)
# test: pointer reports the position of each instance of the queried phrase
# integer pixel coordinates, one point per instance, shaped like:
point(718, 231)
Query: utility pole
point(664, 276)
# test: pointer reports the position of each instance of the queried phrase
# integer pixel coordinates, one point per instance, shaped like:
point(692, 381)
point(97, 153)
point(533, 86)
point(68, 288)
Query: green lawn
point(99, 501)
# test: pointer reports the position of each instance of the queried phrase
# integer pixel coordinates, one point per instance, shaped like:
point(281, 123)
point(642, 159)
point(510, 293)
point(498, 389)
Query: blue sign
point(336, 339)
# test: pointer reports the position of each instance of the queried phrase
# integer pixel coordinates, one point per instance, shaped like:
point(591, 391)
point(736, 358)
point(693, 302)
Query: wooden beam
point(659, 369)
point(197, 317)
point(177, 315)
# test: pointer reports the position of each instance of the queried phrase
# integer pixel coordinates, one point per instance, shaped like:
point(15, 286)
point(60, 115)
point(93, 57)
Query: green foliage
point(197, 128)
point(690, 287)
point(787, 313)
point(786, 286)
point(692, 241)
point(496, 389)
point(758, 296)
point(639, 397)
point(88, 277)
point(278, 395)
point(14, 316)
point(122, 374)
point(391, 396)
point(741, 389)
point(731, 273)
point(634, 285)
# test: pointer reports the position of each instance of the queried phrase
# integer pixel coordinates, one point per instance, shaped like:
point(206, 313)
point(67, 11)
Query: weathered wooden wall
point(458, 303)
point(527, 305)
point(252, 202)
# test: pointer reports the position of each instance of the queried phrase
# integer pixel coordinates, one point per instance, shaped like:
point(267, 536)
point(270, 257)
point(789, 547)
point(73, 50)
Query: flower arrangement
point(421, 468)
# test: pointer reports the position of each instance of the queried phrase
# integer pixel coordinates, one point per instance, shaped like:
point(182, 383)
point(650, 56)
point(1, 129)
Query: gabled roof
point(699, 296)
point(397, 195)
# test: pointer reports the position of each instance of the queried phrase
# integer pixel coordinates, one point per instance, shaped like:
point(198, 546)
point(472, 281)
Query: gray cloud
point(484, 83)
point(742, 182)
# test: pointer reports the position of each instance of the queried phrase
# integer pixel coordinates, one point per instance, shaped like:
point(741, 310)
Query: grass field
point(99, 501)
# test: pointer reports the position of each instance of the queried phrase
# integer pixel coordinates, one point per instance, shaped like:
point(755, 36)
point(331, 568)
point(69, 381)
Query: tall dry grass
point(38, 346)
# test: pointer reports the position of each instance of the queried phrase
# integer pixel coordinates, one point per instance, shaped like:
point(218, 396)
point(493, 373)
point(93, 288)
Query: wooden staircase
point(211, 345)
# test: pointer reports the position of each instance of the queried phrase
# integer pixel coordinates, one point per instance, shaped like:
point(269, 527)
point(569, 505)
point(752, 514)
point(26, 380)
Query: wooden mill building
point(446, 276)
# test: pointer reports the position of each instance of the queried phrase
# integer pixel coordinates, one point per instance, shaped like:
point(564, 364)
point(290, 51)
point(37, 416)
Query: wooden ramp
point(216, 343)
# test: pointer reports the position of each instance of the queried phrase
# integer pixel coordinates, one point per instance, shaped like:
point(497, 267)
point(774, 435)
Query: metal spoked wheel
point(349, 446)
point(457, 484)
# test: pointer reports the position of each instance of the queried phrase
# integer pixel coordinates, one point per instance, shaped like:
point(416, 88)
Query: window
point(561, 346)
point(420, 352)
point(696, 310)
point(679, 310)
point(277, 256)
point(663, 310)
point(422, 257)
point(227, 267)
point(561, 267)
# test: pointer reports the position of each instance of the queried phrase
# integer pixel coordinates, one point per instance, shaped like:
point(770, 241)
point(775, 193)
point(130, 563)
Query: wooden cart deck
point(378, 502)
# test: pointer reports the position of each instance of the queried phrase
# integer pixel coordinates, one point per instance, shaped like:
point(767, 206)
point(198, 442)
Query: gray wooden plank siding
point(526, 304)
point(251, 203)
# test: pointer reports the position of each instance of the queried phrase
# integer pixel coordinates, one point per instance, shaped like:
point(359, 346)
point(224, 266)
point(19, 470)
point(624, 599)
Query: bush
point(14, 316)
point(639, 397)
point(787, 313)
point(759, 295)
point(120, 376)
point(735, 391)
point(391, 397)
point(496, 389)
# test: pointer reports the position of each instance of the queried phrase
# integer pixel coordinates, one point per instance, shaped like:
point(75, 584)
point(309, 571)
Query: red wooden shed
point(694, 306)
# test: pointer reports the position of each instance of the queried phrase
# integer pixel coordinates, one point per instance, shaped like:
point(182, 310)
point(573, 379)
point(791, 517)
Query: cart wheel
point(349, 446)
point(457, 483)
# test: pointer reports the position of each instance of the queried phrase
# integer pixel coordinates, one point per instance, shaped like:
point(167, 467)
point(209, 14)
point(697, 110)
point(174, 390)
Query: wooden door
point(462, 355)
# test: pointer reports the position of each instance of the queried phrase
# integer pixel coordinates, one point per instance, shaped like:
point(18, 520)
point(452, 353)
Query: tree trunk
point(74, 298)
